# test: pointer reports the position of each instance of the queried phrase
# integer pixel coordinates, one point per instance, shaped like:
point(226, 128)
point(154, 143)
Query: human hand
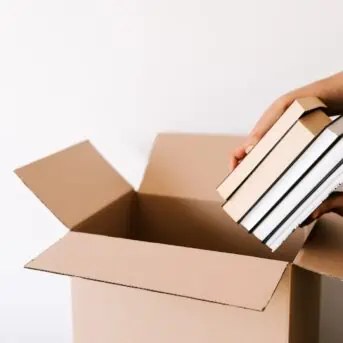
point(268, 119)
point(329, 90)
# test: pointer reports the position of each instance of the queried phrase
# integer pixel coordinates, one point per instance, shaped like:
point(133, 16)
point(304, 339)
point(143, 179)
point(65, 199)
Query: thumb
point(242, 150)
point(250, 143)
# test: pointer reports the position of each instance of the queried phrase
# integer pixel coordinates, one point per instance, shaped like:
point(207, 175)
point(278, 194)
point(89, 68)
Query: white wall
point(118, 72)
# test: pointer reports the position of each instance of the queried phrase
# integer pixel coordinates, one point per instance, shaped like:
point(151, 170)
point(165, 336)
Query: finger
point(271, 115)
point(311, 218)
point(317, 213)
point(253, 139)
point(241, 152)
point(237, 156)
point(335, 202)
point(306, 222)
point(233, 163)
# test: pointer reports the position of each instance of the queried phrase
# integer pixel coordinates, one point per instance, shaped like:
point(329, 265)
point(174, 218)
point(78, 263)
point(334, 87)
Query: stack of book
point(288, 174)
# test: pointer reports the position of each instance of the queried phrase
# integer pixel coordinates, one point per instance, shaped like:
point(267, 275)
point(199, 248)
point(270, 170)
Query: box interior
point(177, 204)
point(183, 222)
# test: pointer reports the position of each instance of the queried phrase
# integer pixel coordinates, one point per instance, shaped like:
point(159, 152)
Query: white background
point(118, 72)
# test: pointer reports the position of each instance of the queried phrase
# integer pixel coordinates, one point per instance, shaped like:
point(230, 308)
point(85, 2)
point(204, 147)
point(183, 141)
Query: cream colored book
point(294, 174)
point(266, 144)
point(277, 161)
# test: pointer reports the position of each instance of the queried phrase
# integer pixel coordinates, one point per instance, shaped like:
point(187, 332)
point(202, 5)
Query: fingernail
point(248, 149)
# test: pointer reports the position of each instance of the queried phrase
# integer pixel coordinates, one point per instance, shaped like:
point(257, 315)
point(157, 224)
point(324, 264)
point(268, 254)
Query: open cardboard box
point(166, 264)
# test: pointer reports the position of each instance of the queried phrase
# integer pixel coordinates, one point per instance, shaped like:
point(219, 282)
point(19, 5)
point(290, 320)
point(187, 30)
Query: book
point(333, 183)
point(275, 163)
point(301, 165)
point(299, 107)
point(316, 178)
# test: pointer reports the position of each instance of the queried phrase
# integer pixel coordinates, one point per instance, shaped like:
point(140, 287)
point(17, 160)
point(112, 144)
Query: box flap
point(323, 251)
point(74, 183)
point(188, 165)
point(236, 280)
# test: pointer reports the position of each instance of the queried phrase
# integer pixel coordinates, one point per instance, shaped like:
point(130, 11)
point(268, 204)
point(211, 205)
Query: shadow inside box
point(203, 225)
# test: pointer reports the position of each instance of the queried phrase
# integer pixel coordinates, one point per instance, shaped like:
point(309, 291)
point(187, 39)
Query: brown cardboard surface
point(117, 219)
point(305, 306)
point(172, 293)
point(188, 166)
point(108, 313)
point(204, 225)
point(236, 280)
point(74, 183)
point(323, 251)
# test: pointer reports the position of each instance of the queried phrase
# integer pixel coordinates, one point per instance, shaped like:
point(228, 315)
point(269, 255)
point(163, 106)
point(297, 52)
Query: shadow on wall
point(331, 330)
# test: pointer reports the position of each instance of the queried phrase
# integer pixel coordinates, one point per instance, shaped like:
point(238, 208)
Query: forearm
point(329, 90)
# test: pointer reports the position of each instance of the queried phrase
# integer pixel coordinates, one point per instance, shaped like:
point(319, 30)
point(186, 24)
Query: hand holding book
point(330, 91)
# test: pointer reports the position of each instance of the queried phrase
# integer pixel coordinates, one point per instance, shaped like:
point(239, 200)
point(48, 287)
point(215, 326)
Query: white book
point(304, 211)
point(308, 157)
point(304, 187)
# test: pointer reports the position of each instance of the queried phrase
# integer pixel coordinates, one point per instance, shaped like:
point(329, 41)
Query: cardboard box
point(165, 263)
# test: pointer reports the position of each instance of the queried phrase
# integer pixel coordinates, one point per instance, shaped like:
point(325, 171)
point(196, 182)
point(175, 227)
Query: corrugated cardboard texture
point(107, 314)
point(305, 306)
point(323, 251)
point(188, 166)
point(236, 280)
point(74, 183)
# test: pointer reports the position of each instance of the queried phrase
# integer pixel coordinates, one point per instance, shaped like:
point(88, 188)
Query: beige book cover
point(298, 137)
point(266, 144)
